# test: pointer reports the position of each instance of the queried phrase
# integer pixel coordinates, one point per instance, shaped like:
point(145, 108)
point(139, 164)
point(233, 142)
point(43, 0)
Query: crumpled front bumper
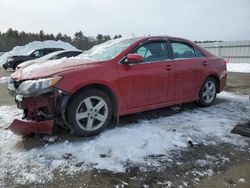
point(41, 112)
point(28, 127)
point(38, 113)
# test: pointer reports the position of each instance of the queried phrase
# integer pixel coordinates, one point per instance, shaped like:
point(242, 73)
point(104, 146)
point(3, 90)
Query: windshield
point(107, 50)
point(50, 55)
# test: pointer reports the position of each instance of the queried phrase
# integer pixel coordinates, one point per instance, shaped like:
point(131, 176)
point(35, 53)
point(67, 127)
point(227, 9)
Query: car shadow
point(161, 112)
point(61, 135)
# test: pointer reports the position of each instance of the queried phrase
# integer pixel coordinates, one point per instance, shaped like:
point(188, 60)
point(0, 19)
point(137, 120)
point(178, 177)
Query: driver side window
point(153, 51)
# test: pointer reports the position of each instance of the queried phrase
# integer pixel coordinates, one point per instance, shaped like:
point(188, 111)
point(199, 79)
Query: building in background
point(232, 51)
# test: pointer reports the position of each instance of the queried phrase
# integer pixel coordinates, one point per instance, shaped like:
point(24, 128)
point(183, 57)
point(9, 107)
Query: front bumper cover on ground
point(27, 127)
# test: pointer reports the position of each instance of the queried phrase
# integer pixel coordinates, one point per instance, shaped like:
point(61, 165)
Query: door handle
point(168, 68)
point(204, 63)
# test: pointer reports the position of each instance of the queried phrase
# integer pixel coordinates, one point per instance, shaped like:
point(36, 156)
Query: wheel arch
point(100, 87)
point(216, 78)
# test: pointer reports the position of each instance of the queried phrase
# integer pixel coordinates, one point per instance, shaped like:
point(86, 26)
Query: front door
point(148, 82)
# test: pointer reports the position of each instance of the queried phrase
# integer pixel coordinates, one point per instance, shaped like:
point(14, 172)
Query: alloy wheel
point(209, 92)
point(91, 113)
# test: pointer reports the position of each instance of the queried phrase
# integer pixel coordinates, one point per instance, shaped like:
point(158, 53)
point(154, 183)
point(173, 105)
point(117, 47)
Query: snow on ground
point(5, 79)
point(119, 147)
point(238, 67)
point(28, 48)
point(242, 180)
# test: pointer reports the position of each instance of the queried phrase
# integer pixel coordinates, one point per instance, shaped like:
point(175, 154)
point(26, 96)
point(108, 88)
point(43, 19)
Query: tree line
point(12, 38)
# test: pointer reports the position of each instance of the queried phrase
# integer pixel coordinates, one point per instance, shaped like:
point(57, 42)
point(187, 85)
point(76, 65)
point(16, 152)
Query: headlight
point(37, 87)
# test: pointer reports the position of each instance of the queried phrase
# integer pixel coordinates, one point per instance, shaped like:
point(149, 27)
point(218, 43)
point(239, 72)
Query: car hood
point(30, 62)
point(49, 68)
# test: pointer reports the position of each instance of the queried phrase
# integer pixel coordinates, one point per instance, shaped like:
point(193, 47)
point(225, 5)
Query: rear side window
point(198, 53)
point(153, 51)
point(71, 54)
point(37, 53)
point(75, 53)
point(47, 51)
point(182, 50)
point(50, 50)
point(65, 54)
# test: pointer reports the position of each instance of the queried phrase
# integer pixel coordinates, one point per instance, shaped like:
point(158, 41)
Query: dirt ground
point(225, 174)
point(5, 98)
point(239, 83)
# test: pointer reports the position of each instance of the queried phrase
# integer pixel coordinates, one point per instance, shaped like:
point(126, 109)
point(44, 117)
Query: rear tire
point(89, 112)
point(208, 92)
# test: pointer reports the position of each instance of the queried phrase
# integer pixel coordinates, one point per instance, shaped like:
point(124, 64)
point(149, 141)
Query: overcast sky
point(193, 19)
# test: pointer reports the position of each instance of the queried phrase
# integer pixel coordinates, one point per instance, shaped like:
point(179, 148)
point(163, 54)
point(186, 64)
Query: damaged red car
point(116, 78)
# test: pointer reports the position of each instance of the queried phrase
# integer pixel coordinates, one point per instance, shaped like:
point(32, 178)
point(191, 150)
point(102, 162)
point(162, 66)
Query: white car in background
point(54, 55)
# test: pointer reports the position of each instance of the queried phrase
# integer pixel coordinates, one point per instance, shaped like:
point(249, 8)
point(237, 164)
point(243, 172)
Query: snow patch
point(242, 180)
point(166, 184)
point(116, 149)
point(5, 80)
point(208, 172)
point(98, 50)
point(28, 48)
point(50, 139)
point(7, 115)
point(203, 162)
point(36, 66)
point(238, 67)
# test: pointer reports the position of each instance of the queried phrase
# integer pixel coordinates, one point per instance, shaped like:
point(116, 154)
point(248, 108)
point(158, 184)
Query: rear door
point(148, 82)
point(190, 66)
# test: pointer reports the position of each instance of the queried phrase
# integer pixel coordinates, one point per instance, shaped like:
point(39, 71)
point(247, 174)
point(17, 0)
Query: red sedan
point(119, 77)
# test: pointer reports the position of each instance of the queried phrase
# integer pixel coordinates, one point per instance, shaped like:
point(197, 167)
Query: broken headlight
point(37, 87)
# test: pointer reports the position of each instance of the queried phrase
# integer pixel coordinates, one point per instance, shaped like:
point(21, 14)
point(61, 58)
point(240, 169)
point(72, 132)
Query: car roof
point(52, 48)
point(52, 54)
point(161, 37)
point(63, 51)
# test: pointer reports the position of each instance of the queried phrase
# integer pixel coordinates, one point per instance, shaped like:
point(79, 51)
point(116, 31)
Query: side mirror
point(134, 58)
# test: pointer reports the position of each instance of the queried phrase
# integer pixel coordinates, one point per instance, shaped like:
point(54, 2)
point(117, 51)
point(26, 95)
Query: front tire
point(89, 112)
point(208, 92)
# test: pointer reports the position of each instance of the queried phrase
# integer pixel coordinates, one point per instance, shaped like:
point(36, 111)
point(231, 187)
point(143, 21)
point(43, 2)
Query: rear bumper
point(26, 127)
point(223, 81)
